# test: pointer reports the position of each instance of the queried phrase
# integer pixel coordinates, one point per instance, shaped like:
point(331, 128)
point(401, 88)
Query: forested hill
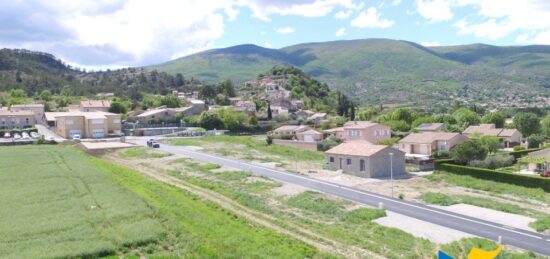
point(37, 71)
point(382, 70)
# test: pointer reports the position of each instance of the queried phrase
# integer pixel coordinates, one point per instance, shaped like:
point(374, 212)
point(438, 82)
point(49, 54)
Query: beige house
point(17, 119)
point(539, 161)
point(290, 129)
point(157, 115)
point(430, 127)
point(510, 137)
point(317, 117)
point(86, 124)
point(366, 130)
point(36, 108)
point(364, 159)
point(309, 136)
point(95, 105)
point(248, 107)
point(426, 143)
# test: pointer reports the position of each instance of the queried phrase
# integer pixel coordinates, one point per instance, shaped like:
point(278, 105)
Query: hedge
point(492, 175)
point(520, 153)
point(438, 162)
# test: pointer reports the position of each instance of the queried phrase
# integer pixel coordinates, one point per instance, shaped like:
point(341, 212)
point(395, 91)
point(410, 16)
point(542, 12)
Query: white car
point(76, 137)
point(16, 136)
point(25, 135)
point(34, 135)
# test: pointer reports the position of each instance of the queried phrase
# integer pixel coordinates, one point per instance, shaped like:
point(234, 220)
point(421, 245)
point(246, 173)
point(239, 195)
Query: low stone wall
point(298, 144)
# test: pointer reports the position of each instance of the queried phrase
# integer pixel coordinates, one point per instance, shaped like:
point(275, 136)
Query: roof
point(356, 148)
point(310, 132)
point(50, 116)
point(359, 124)
point(429, 126)
point(334, 130)
point(291, 128)
point(196, 101)
point(429, 137)
point(95, 103)
point(152, 112)
point(32, 105)
point(507, 132)
point(541, 153)
point(317, 115)
point(14, 113)
point(489, 130)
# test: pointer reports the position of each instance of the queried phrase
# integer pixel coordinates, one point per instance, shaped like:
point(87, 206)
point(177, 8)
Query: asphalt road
point(520, 238)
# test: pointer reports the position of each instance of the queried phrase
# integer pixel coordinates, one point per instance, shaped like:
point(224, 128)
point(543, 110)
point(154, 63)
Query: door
point(341, 159)
point(98, 133)
point(362, 165)
point(72, 133)
point(423, 149)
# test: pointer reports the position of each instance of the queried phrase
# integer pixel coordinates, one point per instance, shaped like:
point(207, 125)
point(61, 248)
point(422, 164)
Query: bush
point(328, 143)
point(493, 162)
point(518, 148)
point(441, 154)
point(535, 141)
point(269, 140)
point(496, 176)
point(469, 150)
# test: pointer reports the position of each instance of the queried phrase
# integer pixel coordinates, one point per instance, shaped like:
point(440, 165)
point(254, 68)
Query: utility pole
point(391, 173)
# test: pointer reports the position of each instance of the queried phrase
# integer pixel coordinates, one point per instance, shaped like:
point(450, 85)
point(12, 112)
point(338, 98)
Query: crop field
point(58, 202)
point(55, 203)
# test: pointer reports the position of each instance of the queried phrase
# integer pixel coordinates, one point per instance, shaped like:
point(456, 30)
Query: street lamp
point(295, 157)
point(391, 173)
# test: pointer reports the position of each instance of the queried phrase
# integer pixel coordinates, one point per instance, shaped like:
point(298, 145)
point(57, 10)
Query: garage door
point(308, 138)
point(75, 132)
point(98, 133)
point(424, 149)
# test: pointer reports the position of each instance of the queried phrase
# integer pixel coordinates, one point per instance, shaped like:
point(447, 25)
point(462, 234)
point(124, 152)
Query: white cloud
point(522, 38)
point(342, 15)
point(231, 13)
point(430, 44)
point(285, 30)
point(435, 10)
point(267, 44)
point(542, 38)
point(341, 32)
point(371, 19)
point(491, 29)
point(396, 2)
point(262, 9)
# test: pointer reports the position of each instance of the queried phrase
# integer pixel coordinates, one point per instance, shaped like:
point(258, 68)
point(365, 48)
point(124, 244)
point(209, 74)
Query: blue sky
point(117, 33)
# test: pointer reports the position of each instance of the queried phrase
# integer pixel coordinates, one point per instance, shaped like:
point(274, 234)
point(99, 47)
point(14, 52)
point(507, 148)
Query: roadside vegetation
point(141, 152)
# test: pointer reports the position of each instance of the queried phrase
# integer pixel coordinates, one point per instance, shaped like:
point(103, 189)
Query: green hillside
point(384, 70)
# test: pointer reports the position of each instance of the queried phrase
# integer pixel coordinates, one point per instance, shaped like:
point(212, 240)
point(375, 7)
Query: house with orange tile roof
point(95, 105)
point(425, 143)
point(510, 137)
point(362, 130)
point(364, 159)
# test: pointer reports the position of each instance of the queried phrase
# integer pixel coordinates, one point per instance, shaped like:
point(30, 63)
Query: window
point(348, 161)
point(402, 146)
point(117, 121)
point(27, 120)
point(386, 132)
point(97, 121)
point(331, 159)
point(362, 165)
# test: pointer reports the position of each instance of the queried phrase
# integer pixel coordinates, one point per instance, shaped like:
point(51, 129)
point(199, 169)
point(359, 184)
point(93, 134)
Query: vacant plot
point(58, 202)
point(141, 152)
point(55, 203)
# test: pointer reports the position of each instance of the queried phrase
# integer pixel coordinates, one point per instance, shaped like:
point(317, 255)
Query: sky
point(100, 34)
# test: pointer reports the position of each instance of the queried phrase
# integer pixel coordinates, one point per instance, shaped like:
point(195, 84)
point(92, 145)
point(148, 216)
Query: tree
point(210, 120)
point(527, 123)
point(545, 126)
point(466, 117)
point(226, 87)
point(402, 114)
point(233, 120)
point(491, 143)
point(222, 99)
point(397, 125)
point(117, 107)
point(18, 93)
point(468, 150)
point(421, 120)
point(535, 141)
point(368, 114)
point(46, 95)
point(352, 112)
point(269, 112)
point(170, 101)
point(253, 120)
point(496, 118)
point(179, 81)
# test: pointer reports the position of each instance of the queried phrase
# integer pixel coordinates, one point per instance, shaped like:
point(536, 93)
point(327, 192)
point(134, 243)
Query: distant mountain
point(382, 70)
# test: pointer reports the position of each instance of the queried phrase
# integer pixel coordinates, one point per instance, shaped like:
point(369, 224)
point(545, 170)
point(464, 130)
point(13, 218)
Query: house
point(86, 124)
point(366, 130)
point(36, 108)
point(317, 117)
point(95, 105)
point(157, 115)
point(278, 111)
point(336, 132)
point(430, 127)
point(364, 159)
point(510, 137)
point(538, 161)
point(248, 107)
point(234, 100)
point(17, 119)
point(194, 107)
point(290, 129)
point(425, 143)
point(309, 136)
point(304, 114)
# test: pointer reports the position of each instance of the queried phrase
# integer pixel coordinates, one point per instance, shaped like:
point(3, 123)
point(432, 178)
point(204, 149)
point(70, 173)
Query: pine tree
point(269, 114)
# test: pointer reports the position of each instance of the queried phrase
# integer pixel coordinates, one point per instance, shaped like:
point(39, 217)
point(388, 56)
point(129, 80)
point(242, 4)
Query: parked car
point(150, 142)
point(51, 138)
point(7, 135)
point(155, 145)
point(34, 135)
point(76, 137)
point(25, 135)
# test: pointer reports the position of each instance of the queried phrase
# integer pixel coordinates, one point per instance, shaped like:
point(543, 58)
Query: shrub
point(518, 148)
point(363, 215)
point(535, 141)
point(441, 154)
point(328, 143)
point(269, 140)
point(469, 150)
point(493, 162)
point(522, 152)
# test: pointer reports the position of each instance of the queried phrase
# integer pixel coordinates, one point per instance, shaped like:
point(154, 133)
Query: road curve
point(520, 238)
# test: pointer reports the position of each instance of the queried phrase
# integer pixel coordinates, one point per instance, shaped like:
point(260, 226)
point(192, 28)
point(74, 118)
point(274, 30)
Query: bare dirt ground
point(159, 172)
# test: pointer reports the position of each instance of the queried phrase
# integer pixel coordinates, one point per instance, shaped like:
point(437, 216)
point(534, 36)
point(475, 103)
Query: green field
point(58, 202)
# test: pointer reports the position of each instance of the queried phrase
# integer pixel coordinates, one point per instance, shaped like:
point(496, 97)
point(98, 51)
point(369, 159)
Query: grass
point(139, 152)
point(490, 186)
point(315, 202)
point(541, 224)
point(55, 203)
point(253, 144)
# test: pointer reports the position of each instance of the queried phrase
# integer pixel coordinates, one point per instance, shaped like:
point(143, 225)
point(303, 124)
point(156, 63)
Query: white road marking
point(360, 192)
